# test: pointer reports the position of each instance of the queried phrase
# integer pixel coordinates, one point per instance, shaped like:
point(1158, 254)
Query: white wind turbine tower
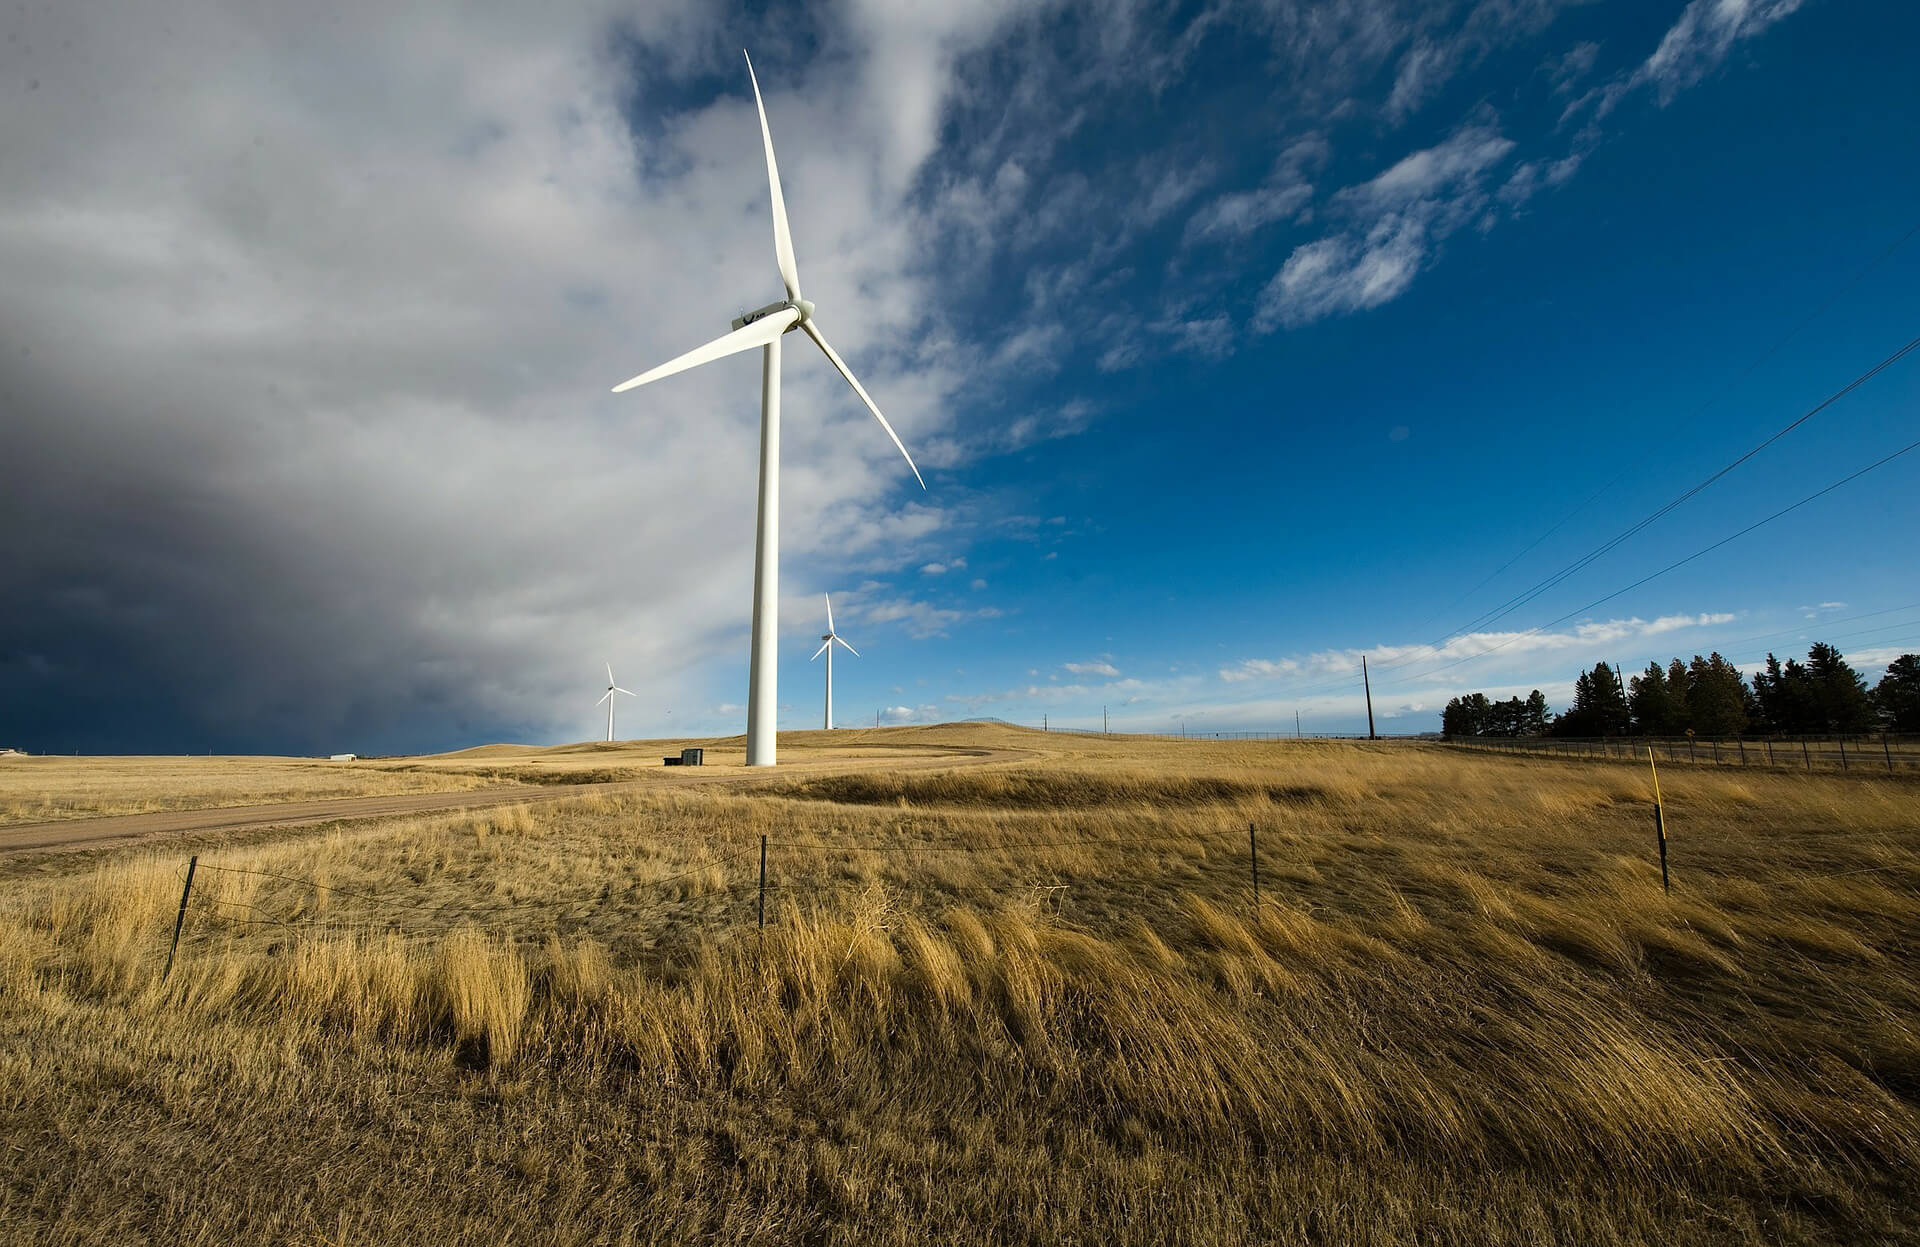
point(827, 643)
point(764, 328)
point(607, 697)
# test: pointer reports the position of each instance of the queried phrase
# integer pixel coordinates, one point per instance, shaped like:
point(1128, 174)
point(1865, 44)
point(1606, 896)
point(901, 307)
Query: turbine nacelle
point(802, 306)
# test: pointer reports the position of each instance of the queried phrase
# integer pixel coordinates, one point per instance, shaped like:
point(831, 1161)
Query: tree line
point(1709, 697)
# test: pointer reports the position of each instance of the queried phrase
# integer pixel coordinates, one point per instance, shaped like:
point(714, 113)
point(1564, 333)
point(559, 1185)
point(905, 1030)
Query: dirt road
point(77, 833)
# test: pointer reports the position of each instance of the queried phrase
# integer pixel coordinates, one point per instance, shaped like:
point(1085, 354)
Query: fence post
point(1253, 856)
point(1743, 750)
point(1888, 750)
point(1843, 751)
point(1716, 750)
point(1769, 753)
point(1808, 757)
point(1659, 823)
point(763, 883)
point(179, 919)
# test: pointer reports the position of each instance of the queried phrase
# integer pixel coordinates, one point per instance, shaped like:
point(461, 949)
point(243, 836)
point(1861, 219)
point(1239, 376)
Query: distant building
point(343, 757)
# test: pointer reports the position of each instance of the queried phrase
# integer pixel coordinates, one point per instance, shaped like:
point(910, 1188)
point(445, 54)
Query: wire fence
point(392, 911)
point(1884, 754)
point(1201, 734)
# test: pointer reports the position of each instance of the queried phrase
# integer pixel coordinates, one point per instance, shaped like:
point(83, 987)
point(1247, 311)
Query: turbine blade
point(759, 333)
point(850, 649)
point(820, 340)
point(629, 692)
point(821, 650)
point(609, 675)
point(782, 238)
point(829, 598)
point(604, 696)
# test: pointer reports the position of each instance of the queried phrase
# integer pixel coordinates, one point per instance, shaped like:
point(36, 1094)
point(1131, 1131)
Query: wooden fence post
point(763, 883)
point(1888, 750)
point(179, 919)
point(1804, 754)
point(1843, 752)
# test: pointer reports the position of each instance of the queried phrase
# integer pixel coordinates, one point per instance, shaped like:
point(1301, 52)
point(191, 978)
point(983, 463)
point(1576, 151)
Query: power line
point(1515, 603)
point(1678, 563)
point(1705, 407)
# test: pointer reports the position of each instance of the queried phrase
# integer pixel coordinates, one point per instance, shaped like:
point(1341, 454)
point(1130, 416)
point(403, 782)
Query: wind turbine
point(764, 328)
point(827, 643)
point(607, 697)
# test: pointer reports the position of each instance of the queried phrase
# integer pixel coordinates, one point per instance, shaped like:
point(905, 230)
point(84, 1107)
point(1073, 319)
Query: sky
point(1236, 339)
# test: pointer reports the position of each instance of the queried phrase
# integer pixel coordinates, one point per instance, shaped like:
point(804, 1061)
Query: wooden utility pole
point(1368, 683)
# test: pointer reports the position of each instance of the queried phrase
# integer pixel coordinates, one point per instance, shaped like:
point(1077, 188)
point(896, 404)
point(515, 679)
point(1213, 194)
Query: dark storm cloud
point(308, 325)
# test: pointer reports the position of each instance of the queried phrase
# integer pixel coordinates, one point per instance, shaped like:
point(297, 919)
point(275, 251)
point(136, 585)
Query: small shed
point(343, 757)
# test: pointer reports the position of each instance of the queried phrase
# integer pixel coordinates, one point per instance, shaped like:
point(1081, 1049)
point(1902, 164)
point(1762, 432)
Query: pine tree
point(1610, 702)
point(1897, 696)
point(1839, 694)
point(1536, 720)
point(1656, 710)
point(1716, 697)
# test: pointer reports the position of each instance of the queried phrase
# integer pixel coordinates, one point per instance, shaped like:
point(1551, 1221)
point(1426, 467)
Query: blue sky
point(1234, 340)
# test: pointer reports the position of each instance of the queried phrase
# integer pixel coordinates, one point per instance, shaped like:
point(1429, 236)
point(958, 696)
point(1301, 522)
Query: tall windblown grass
point(981, 1009)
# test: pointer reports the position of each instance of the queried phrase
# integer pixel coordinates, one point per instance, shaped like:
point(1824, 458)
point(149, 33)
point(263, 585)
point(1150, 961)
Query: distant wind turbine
point(827, 643)
point(607, 697)
point(764, 328)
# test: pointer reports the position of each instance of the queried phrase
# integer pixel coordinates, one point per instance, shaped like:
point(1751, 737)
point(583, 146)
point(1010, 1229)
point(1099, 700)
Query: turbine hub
point(805, 308)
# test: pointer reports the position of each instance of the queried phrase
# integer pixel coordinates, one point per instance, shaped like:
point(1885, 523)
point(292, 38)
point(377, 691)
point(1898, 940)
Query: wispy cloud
point(1286, 191)
point(1096, 667)
point(1701, 39)
point(1511, 646)
point(1395, 218)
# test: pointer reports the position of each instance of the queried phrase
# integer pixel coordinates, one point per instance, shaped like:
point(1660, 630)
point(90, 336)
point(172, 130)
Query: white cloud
point(1509, 646)
point(919, 618)
point(1097, 667)
point(1395, 219)
point(1239, 213)
point(1576, 64)
point(1424, 68)
point(1447, 167)
point(1673, 623)
point(1343, 273)
point(1701, 39)
point(1259, 668)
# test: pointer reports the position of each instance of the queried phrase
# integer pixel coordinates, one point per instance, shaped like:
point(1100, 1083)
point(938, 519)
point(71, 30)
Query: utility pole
point(1103, 720)
point(1296, 725)
point(1043, 724)
point(1368, 683)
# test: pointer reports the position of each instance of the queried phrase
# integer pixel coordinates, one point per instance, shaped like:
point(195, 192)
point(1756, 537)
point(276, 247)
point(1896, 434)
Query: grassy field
point(1031, 999)
point(42, 789)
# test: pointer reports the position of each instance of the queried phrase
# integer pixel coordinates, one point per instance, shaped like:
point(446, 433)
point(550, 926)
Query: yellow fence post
point(1659, 822)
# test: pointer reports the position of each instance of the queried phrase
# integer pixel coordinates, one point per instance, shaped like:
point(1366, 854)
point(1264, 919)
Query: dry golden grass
point(42, 789)
point(1028, 1002)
